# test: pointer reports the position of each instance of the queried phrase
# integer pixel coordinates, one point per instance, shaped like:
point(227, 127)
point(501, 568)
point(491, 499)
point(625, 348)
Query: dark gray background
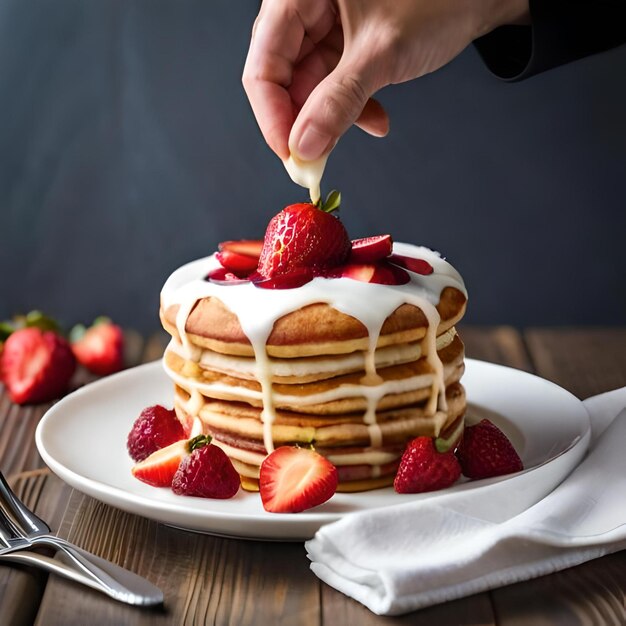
point(128, 148)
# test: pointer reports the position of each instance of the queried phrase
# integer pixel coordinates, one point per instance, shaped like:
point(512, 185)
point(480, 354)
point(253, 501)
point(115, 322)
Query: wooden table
point(226, 581)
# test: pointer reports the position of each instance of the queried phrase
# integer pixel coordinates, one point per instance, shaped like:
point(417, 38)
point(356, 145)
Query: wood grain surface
point(212, 580)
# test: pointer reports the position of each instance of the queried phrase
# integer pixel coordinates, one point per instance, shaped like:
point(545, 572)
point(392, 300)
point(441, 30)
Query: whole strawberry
point(303, 236)
point(485, 451)
point(155, 428)
point(36, 365)
point(207, 473)
point(100, 348)
point(422, 468)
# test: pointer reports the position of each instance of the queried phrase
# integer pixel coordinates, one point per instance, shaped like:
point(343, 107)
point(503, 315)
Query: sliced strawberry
point(36, 365)
point(485, 451)
point(239, 264)
point(159, 468)
point(419, 266)
point(379, 272)
point(206, 473)
point(370, 249)
point(100, 348)
point(222, 275)
point(294, 479)
point(155, 428)
point(248, 247)
point(422, 468)
point(295, 278)
point(302, 236)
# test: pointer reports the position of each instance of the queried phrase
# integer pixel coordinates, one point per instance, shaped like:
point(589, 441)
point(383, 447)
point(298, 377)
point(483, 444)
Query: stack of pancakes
point(319, 389)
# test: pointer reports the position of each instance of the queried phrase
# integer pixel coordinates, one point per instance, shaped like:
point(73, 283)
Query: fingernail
point(312, 144)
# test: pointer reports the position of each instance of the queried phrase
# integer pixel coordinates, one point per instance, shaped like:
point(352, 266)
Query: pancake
point(397, 385)
point(353, 370)
point(316, 329)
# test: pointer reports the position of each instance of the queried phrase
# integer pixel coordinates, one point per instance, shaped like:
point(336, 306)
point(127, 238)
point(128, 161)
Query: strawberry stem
point(198, 442)
point(332, 202)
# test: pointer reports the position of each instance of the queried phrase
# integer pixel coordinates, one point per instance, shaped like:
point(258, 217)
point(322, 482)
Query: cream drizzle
point(231, 392)
point(245, 367)
point(187, 285)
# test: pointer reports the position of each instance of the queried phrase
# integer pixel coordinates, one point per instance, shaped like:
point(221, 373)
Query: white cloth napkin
point(413, 555)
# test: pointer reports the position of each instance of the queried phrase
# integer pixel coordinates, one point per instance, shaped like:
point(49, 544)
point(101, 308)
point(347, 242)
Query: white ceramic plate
point(83, 440)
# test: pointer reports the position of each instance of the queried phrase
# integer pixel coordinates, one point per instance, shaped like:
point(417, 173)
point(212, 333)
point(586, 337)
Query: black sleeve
point(561, 31)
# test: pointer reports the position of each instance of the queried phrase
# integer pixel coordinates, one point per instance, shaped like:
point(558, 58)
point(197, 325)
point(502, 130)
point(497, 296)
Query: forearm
point(561, 31)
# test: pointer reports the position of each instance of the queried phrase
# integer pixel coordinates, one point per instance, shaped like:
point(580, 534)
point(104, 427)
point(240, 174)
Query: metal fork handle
point(116, 581)
point(35, 559)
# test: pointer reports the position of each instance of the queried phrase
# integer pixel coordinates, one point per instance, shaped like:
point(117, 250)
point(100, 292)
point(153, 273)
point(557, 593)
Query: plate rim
point(118, 496)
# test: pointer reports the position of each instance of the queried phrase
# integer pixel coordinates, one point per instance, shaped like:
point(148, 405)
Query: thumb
point(331, 108)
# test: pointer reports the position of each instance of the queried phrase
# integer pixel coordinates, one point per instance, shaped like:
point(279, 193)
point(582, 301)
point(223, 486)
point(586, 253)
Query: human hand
point(312, 67)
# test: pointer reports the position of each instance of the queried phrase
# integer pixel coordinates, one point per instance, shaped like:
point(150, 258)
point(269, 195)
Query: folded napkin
point(412, 555)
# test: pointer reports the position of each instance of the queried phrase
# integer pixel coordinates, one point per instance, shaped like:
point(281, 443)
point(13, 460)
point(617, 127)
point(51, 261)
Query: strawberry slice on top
point(239, 257)
point(370, 249)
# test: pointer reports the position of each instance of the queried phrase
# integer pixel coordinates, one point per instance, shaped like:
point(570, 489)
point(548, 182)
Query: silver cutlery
point(21, 530)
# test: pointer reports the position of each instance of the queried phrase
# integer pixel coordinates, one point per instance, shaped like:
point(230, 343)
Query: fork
point(26, 557)
point(21, 529)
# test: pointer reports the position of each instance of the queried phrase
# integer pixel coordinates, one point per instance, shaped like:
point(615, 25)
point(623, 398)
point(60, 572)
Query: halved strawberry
point(239, 264)
point(36, 365)
point(370, 249)
point(379, 272)
point(419, 266)
point(248, 247)
point(100, 348)
point(294, 479)
point(159, 468)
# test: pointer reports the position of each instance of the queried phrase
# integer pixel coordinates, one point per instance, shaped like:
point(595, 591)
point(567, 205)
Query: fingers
point(341, 99)
point(374, 119)
point(274, 48)
point(282, 34)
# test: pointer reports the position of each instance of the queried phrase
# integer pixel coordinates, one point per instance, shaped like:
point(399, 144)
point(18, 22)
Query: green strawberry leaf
point(332, 202)
point(6, 328)
point(198, 442)
point(77, 333)
point(36, 319)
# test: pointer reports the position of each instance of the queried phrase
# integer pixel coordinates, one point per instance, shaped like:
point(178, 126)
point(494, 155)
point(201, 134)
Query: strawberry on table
point(206, 473)
point(294, 479)
point(155, 428)
point(304, 236)
point(485, 451)
point(100, 348)
point(36, 365)
point(423, 468)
